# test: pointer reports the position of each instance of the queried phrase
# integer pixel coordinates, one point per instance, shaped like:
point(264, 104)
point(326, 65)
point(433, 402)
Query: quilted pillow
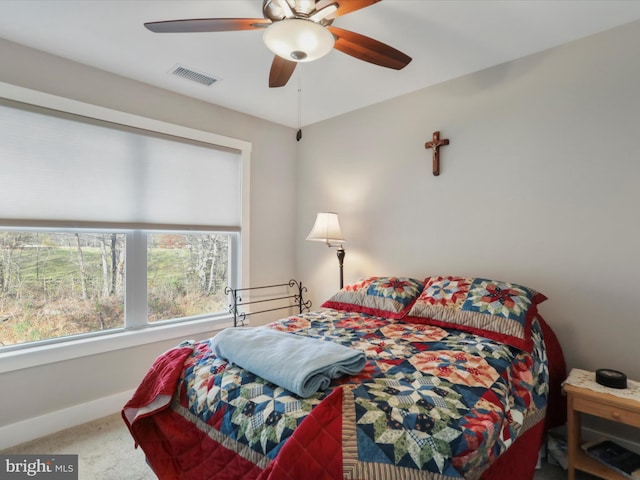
point(497, 310)
point(389, 297)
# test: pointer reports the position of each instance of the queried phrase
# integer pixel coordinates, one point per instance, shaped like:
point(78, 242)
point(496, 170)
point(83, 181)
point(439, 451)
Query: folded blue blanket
point(300, 364)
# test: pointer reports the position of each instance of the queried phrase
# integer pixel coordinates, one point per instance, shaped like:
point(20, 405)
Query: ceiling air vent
point(198, 77)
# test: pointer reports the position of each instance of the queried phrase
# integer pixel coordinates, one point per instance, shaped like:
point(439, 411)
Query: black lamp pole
point(340, 254)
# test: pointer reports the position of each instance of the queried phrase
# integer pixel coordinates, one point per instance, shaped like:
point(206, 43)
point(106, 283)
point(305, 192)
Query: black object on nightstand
point(611, 378)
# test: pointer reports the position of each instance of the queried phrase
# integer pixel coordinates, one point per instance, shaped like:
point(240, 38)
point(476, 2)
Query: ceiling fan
point(298, 31)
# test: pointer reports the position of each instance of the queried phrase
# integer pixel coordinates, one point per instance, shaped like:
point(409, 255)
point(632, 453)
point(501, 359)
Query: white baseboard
point(32, 428)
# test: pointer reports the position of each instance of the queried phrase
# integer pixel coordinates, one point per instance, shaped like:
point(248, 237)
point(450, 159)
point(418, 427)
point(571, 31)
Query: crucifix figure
point(436, 143)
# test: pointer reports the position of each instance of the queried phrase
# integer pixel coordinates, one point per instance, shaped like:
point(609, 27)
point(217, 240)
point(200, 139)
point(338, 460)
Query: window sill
point(71, 349)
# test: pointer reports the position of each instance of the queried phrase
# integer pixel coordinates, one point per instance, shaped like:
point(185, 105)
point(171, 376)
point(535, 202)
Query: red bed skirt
point(519, 462)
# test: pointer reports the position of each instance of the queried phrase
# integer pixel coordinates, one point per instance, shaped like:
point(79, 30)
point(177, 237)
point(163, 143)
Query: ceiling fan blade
point(207, 25)
point(368, 49)
point(281, 71)
point(345, 6)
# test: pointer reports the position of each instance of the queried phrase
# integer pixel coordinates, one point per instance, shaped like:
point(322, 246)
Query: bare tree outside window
point(187, 274)
point(57, 284)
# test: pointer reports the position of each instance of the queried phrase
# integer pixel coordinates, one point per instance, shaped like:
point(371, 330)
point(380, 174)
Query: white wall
point(51, 389)
point(540, 185)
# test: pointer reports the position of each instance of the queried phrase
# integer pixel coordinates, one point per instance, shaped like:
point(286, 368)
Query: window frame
point(140, 332)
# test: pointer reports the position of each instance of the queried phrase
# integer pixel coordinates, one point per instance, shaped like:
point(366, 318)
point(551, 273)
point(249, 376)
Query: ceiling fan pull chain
point(299, 132)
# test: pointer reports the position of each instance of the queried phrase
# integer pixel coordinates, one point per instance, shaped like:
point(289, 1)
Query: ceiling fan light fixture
point(298, 40)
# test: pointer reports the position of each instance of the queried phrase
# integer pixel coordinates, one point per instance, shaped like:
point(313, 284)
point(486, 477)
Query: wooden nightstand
point(583, 400)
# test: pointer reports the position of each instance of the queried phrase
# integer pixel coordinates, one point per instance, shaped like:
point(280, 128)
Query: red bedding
point(183, 438)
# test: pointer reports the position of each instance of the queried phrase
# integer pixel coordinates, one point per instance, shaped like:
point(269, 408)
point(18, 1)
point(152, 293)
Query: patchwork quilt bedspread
point(430, 404)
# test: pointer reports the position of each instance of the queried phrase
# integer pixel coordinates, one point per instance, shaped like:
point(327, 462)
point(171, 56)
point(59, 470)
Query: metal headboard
point(236, 301)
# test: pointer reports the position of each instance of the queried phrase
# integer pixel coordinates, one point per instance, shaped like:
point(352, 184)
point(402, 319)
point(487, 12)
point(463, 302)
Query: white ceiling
point(445, 38)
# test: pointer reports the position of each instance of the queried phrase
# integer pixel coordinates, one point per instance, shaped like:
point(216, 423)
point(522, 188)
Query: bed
point(461, 380)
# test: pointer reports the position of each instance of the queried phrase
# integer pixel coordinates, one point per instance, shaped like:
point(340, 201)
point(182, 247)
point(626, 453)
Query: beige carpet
point(105, 452)
point(104, 448)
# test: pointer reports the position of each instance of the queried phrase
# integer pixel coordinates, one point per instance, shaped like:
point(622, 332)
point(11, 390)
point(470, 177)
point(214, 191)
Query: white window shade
point(56, 166)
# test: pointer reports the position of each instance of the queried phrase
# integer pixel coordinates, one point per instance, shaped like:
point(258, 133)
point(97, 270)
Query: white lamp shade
point(298, 40)
point(326, 229)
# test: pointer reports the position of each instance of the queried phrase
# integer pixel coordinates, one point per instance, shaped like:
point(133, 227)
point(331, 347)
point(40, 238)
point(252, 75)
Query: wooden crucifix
point(436, 143)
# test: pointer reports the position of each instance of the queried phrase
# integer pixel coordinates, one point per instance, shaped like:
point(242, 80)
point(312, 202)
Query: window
point(56, 284)
point(111, 222)
point(186, 274)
